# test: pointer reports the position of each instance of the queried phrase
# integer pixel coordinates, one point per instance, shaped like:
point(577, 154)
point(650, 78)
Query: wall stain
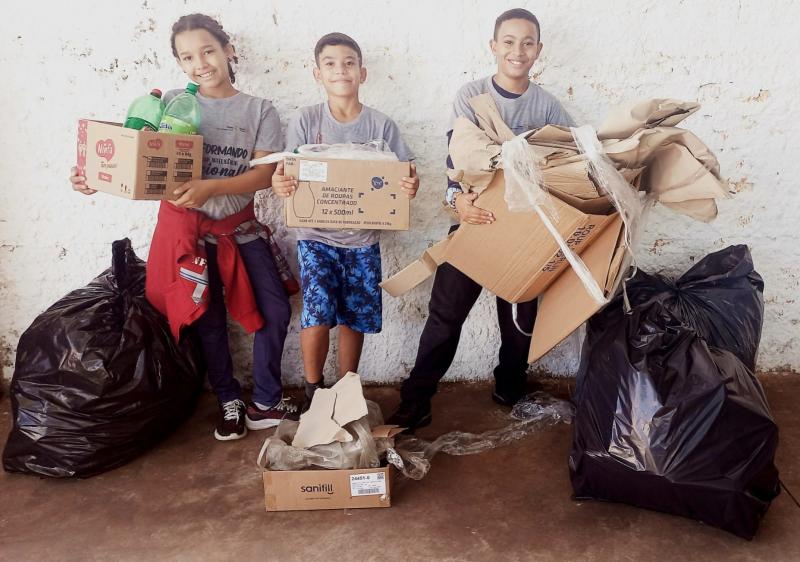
point(112, 66)
point(721, 133)
point(762, 95)
point(6, 353)
point(740, 185)
point(144, 27)
point(709, 91)
point(657, 246)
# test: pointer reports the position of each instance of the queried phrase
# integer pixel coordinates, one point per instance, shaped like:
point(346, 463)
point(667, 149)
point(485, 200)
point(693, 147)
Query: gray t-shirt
point(316, 125)
point(532, 110)
point(233, 128)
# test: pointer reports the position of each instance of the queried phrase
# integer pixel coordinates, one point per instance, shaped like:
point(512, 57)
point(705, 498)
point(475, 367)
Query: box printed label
point(577, 239)
point(105, 149)
point(369, 484)
point(313, 170)
point(82, 140)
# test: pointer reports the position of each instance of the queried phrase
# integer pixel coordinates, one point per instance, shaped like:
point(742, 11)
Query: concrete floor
point(193, 498)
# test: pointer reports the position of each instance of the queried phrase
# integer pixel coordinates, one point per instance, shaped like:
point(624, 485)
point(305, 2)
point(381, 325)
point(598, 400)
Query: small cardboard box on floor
point(517, 259)
point(347, 194)
point(295, 490)
point(324, 423)
point(143, 165)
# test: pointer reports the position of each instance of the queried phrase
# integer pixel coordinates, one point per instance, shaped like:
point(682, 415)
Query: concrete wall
point(90, 58)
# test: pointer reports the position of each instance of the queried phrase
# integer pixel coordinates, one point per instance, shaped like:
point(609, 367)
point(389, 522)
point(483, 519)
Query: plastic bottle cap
point(191, 88)
point(156, 93)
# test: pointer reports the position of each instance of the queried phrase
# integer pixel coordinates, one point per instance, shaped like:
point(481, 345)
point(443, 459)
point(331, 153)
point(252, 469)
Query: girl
point(211, 213)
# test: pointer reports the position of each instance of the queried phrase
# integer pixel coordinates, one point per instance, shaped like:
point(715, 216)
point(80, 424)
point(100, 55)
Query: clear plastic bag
point(541, 405)
point(627, 200)
point(526, 191)
point(412, 456)
point(372, 150)
point(364, 451)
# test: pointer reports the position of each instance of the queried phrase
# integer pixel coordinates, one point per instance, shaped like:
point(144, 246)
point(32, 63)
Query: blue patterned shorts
point(340, 286)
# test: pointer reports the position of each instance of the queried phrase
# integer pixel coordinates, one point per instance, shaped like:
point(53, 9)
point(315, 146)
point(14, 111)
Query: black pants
point(452, 298)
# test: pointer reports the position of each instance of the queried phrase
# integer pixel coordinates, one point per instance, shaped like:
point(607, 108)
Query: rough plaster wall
point(90, 58)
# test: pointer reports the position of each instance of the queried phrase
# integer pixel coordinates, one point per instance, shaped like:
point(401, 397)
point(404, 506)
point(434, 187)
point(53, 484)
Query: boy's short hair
point(517, 14)
point(334, 39)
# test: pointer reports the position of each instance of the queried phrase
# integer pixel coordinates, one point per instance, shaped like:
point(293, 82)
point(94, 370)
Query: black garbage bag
point(667, 422)
point(98, 378)
point(721, 297)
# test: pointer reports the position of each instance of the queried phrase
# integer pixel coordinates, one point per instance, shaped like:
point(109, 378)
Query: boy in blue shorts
point(339, 269)
point(523, 106)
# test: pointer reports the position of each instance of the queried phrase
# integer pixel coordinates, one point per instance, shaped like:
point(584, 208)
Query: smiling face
point(204, 59)
point(340, 71)
point(516, 48)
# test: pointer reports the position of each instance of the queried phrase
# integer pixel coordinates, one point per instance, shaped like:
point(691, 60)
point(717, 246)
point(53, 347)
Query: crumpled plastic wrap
point(540, 406)
point(538, 411)
point(525, 190)
point(372, 150)
point(364, 451)
point(410, 455)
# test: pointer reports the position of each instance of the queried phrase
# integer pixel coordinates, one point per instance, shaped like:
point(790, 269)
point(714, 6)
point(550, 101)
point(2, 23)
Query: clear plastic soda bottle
point(145, 112)
point(182, 114)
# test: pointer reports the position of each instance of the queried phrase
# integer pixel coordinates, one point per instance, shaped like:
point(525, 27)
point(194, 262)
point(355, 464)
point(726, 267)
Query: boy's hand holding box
point(356, 194)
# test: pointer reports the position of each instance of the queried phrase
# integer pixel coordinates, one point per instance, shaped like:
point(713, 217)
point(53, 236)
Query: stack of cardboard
point(670, 164)
point(516, 257)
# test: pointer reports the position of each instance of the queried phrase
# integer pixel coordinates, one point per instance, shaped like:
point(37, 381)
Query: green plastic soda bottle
point(145, 112)
point(182, 114)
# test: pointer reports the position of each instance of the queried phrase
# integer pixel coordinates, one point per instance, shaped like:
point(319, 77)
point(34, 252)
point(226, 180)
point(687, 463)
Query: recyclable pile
point(670, 416)
point(99, 378)
point(671, 165)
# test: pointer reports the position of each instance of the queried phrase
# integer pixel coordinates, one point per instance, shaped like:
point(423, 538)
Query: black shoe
point(231, 426)
point(411, 415)
point(310, 389)
point(507, 397)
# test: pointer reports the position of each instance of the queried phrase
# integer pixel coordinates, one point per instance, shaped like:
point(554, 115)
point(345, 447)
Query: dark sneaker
point(231, 426)
point(256, 418)
point(509, 396)
point(310, 388)
point(506, 398)
point(411, 415)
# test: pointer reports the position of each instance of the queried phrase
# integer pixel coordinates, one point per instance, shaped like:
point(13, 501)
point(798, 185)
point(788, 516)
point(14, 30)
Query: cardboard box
point(517, 259)
point(136, 164)
point(294, 490)
point(347, 194)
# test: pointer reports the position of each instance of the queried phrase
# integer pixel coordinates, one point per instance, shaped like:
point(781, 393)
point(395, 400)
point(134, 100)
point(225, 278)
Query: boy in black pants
point(523, 106)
